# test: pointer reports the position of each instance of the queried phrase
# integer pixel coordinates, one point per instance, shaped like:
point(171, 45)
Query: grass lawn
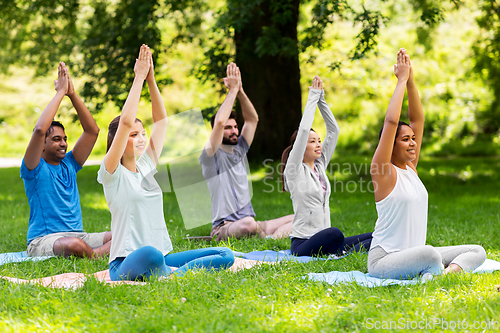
point(464, 207)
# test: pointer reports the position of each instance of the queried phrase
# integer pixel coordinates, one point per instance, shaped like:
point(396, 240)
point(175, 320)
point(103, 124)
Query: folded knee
point(70, 246)
point(227, 255)
point(151, 256)
point(480, 251)
point(432, 255)
point(249, 227)
point(335, 233)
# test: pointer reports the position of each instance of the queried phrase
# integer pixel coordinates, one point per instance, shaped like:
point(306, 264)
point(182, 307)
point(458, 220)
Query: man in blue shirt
point(49, 175)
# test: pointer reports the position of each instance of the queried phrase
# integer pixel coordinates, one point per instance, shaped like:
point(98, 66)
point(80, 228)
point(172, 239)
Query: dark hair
point(231, 116)
point(112, 128)
point(54, 123)
point(400, 123)
point(285, 155)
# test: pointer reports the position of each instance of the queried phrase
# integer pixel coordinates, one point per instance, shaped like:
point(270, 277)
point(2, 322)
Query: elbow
point(391, 121)
point(39, 132)
point(95, 131)
point(219, 123)
point(127, 123)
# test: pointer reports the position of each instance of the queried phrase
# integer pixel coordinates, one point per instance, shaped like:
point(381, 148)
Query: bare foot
point(453, 268)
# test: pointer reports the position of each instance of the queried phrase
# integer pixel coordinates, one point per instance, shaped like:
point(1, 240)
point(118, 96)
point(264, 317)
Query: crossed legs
point(247, 226)
point(74, 246)
point(330, 241)
point(147, 261)
point(407, 264)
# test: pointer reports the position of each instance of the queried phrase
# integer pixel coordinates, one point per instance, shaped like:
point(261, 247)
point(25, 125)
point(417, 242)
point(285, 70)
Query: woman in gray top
point(303, 171)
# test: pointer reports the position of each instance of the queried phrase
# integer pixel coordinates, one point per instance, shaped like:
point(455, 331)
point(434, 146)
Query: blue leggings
point(147, 261)
point(330, 241)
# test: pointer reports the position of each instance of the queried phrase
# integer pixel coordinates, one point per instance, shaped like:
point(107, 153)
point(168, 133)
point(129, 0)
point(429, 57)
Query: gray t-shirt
point(227, 179)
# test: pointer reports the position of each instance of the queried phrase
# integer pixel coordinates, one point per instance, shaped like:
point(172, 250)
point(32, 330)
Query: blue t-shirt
point(53, 197)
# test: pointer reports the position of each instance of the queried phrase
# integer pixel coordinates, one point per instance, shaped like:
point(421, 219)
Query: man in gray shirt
point(224, 168)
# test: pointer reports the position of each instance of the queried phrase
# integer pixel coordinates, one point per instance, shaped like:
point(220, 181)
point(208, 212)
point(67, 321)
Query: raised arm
point(159, 116)
point(35, 146)
point(129, 112)
point(299, 147)
point(249, 115)
point(232, 82)
point(415, 113)
point(381, 163)
point(85, 143)
point(332, 131)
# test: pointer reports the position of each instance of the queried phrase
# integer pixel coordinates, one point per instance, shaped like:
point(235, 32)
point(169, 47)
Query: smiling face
point(313, 148)
point(137, 140)
point(230, 133)
point(405, 145)
point(55, 146)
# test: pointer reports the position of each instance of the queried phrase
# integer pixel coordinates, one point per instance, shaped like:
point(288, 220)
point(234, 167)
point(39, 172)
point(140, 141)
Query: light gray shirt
point(310, 202)
point(135, 201)
point(227, 180)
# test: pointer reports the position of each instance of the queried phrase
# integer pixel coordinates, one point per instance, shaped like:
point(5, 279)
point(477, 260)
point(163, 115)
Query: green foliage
point(194, 40)
point(487, 52)
point(39, 32)
point(111, 43)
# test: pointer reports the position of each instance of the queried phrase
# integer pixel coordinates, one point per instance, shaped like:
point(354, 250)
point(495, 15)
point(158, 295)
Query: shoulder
point(242, 143)
point(145, 164)
point(204, 158)
point(29, 174)
point(106, 178)
point(70, 161)
point(411, 166)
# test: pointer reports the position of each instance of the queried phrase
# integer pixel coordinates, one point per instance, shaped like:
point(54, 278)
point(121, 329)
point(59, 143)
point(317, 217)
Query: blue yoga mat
point(369, 281)
point(10, 257)
point(269, 255)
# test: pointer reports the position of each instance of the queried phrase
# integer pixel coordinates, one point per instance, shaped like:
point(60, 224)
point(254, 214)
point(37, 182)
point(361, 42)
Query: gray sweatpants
point(407, 264)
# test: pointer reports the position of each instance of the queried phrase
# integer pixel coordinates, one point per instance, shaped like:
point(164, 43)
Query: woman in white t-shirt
point(398, 247)
point(141, 244)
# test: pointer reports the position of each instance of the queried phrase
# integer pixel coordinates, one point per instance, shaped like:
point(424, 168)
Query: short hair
point(231, 116)
point(400, 123)
point(51, 127)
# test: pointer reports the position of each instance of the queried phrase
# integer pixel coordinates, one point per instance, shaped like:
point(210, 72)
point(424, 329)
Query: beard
point(232, 140)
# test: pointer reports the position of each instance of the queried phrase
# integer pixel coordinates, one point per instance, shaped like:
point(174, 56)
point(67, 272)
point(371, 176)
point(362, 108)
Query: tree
point(38, 33)
point(259, 35)
point(267, 47)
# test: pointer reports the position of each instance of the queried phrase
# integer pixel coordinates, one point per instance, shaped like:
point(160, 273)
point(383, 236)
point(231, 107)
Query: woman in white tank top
point(398, 247)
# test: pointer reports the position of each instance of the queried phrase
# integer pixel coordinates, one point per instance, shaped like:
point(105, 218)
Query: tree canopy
point(268, 40)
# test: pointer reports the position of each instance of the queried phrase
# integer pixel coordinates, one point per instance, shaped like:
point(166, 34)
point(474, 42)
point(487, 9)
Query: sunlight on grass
point(269, 297)
point(93, 200)
point(6, 197)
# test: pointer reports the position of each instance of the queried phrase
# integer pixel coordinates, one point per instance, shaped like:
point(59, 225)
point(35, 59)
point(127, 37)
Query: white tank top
point(402, 215)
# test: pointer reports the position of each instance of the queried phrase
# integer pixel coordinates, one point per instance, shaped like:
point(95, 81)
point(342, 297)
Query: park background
point(279, 45)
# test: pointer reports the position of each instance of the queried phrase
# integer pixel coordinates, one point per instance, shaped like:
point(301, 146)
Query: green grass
point(464, 207)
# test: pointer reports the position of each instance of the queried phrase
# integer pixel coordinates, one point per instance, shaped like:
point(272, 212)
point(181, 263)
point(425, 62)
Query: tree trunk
point(272, 83)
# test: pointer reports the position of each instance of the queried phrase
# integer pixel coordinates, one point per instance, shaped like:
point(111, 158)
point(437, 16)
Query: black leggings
point(330, 241)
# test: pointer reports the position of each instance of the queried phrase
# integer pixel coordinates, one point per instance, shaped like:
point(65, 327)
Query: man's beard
point(232, 141)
